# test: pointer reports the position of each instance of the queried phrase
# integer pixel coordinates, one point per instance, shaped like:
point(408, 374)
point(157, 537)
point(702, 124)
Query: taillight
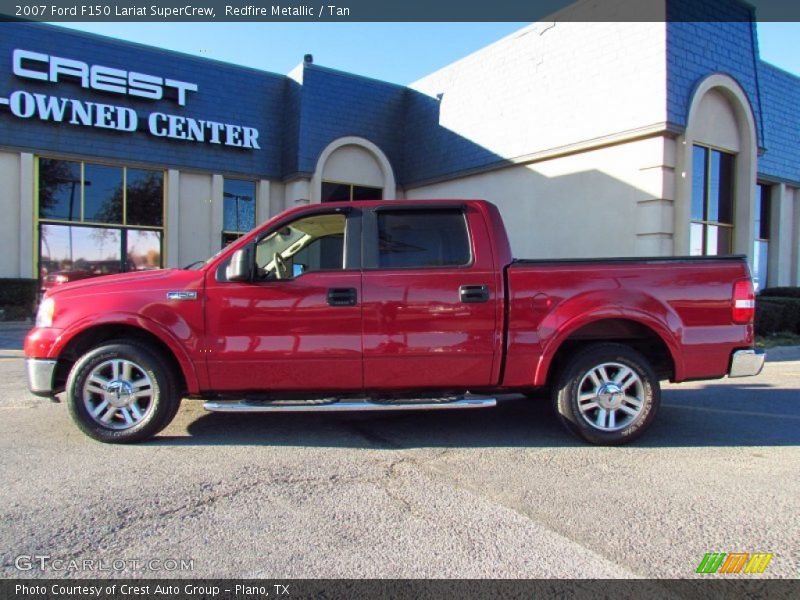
point(743, 307)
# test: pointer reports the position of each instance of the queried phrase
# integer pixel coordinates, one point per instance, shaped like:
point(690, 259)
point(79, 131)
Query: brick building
point(593, 138)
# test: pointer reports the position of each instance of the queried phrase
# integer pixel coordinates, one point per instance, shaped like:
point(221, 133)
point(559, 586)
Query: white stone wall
point(10, 203)
point(611, 201)
point(556, 84)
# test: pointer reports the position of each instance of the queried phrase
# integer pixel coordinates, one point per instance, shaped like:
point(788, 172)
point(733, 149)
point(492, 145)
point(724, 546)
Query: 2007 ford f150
point(390, 305)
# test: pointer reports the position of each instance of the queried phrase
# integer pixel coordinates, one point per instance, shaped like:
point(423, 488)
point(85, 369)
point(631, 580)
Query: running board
point(250, 406)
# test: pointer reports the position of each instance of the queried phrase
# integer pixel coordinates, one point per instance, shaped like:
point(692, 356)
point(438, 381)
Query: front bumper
point(745, 363)
point(40, 375)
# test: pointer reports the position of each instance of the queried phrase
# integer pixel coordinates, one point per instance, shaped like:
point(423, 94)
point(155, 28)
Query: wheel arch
point(73, 346)
point(641, 332)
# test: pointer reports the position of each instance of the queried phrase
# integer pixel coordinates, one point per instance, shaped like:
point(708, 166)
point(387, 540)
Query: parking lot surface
point(502, 492)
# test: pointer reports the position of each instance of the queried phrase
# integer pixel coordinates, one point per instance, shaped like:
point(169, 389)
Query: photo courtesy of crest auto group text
point(393, 301)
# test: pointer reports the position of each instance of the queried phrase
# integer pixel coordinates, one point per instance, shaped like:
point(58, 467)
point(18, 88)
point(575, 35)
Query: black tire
point(581, 384)
point(139, 419)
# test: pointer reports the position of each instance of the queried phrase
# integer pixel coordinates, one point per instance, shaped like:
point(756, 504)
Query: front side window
point(96, 219)
point(422, 238)
point(711, 230)
point(239, 209)
point(314, 243)
point(761, 235)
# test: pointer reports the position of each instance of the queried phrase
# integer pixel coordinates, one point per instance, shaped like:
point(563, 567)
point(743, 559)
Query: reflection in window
point(239, 209)
point(74, 197)
point(59, 189)
point(143, 251)
point(102, 190)
point(88, 250)
point(762, 231)
point(711, 230)
point(145, 197)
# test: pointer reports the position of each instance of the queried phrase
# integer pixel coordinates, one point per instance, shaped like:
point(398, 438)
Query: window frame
point(705, 223)
point(122, 226)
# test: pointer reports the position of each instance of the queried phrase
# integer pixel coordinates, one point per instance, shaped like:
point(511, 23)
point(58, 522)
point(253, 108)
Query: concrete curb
point(783, 353)
point(12, 325)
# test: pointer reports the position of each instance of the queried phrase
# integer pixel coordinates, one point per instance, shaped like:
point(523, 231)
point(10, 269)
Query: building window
point(712, 202)
point(96, 219)
point(239, 211)
point(334, 191)
point(761, 234)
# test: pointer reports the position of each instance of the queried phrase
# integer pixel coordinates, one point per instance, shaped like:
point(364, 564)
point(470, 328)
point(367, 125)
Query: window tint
point(145, 197)
point(102, 189)
point(720, 201)
point(333, 191)
point(361, 192)
point(422, 238)
point(59, 189)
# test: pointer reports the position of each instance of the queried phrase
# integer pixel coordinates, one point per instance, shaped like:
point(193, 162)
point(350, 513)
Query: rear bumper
point(40, 375)
point(745, 363)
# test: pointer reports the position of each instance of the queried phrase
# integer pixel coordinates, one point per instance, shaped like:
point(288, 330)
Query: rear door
point(429, 298)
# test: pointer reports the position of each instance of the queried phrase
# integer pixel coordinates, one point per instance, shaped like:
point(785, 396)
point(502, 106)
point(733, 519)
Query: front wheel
point(121, 392)
point(607, 394)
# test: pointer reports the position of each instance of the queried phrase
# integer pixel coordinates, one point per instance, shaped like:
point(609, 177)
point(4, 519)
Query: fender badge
point(181, 295)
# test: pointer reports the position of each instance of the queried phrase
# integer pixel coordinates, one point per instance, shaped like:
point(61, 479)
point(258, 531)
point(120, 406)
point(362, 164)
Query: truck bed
point(686, 300)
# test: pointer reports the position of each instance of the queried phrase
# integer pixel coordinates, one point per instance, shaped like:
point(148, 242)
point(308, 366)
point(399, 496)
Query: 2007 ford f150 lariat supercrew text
point(390, 305)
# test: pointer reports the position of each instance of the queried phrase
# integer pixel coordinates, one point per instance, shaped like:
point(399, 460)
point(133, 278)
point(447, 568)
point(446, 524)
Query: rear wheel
point(607, 394)
point(122, 392)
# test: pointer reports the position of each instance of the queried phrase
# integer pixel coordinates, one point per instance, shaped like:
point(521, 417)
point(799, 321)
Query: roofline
point(775, 67)
point(316, 67)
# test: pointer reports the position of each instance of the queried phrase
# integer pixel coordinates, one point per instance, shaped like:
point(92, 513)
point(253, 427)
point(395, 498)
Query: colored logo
point(734, 562)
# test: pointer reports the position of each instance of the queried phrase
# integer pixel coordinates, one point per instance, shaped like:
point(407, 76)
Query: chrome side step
point(250, 406)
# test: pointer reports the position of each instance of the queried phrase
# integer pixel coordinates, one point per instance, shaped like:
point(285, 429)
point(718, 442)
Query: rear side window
point(422, 238)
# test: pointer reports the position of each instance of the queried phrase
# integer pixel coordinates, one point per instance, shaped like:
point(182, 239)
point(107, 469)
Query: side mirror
point(240, 267)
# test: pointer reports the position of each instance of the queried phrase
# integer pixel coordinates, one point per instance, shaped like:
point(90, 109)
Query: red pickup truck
point(390, 305)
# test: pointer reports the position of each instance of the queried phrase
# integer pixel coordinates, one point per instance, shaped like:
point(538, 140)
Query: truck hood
point(133, 281)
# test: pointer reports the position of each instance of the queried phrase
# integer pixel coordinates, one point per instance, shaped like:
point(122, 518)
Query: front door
point(297, 325)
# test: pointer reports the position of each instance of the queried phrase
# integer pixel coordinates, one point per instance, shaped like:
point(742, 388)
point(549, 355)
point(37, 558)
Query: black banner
point(398, 10)
point(729, 588)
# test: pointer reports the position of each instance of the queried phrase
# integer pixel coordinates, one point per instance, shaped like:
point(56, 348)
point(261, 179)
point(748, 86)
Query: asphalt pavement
point(502, 492)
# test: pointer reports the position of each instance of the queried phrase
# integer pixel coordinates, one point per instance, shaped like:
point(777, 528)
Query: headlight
point(44, 317)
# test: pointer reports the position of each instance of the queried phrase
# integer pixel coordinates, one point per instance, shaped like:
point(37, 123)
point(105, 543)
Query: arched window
point(352, 168)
